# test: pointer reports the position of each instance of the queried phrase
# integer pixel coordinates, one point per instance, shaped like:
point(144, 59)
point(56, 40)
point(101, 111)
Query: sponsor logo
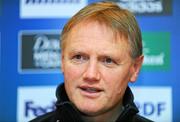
point(34, 101)
point(147, 7)
point(39, 51)
point(50, 8)
point(31, 109)
point(150, 105)
point(156, 50)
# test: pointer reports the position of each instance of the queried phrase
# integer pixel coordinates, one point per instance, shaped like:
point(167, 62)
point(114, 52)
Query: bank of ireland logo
point(156, 49)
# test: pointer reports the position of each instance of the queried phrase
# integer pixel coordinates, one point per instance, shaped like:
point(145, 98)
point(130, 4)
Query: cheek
point(116, 84)
point(71, 72)
point(115, 90)
point(71, 79)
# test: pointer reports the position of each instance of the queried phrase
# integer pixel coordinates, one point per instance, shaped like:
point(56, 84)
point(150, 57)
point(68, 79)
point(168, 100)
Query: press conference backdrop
point(30, 67)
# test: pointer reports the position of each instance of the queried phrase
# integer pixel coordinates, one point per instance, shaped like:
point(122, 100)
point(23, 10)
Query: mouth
point(90, 91)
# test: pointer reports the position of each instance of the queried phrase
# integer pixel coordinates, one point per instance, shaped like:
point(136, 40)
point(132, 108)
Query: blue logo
point(149, 108)
point(36, 110)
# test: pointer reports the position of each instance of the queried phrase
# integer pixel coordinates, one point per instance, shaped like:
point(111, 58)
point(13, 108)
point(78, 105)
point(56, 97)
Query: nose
point(91, 73)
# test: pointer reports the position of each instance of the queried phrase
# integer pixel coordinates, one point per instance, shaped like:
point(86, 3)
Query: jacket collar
point(61, 94)
point(129, 110)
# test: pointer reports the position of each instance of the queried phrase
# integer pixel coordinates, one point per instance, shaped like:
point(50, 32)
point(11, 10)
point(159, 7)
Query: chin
point(90, 111)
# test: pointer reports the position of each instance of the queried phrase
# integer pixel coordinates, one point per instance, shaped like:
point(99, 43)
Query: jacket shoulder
point(48, 117)
point(139, 118)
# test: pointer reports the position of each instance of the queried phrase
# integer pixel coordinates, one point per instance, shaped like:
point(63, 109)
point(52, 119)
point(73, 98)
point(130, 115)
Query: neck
point(109, 116)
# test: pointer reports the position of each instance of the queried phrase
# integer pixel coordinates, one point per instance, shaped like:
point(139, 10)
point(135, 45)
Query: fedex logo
point(34, 101)
point(34, 109)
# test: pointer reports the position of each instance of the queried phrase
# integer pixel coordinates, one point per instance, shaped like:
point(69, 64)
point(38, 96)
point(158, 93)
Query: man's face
point(97, 68)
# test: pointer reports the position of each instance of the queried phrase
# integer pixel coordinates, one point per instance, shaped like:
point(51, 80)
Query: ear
point(135, 69)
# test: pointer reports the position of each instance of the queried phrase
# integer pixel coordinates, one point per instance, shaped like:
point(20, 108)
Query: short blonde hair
point(120, 20)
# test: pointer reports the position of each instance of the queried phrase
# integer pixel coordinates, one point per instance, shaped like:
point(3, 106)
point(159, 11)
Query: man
point(101, 53)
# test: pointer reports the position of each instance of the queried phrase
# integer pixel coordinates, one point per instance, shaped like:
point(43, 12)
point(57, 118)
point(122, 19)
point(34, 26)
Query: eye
point(79, 58)
point(108, 61)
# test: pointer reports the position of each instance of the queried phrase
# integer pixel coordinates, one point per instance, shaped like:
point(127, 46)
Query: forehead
point(97, 37)
point(91, 29)
point(96, 29)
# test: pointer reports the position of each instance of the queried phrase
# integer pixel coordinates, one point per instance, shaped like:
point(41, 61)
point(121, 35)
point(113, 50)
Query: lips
point(90, 89)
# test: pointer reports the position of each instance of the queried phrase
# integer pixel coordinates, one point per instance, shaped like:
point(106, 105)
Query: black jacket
point(66, 112)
